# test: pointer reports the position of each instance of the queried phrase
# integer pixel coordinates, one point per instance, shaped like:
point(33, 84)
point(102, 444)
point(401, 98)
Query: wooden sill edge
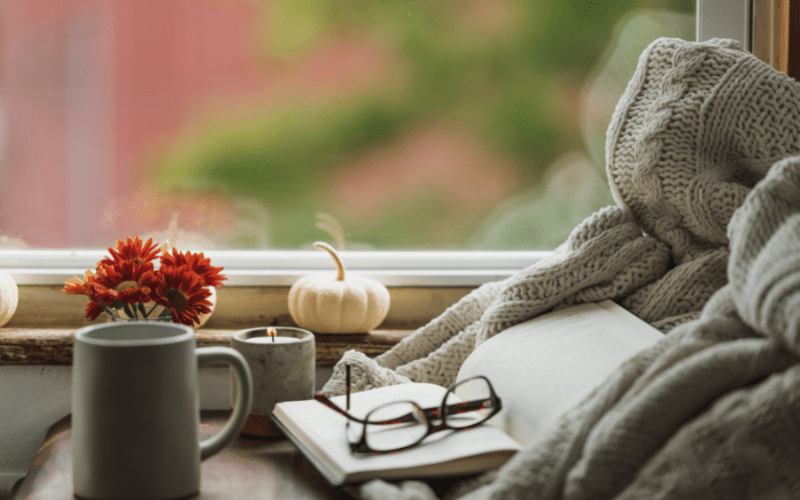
point(53, 346)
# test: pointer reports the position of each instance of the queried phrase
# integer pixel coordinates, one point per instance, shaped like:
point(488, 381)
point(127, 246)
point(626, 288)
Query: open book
point(544, 366)
point(538, 368)
point(319, 433)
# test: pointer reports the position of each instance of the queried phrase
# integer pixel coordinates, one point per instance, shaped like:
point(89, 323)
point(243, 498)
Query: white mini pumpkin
point(340, 304)
point(9, 297)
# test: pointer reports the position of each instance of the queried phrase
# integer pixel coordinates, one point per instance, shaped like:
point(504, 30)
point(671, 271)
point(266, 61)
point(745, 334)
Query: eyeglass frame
point(361, 445)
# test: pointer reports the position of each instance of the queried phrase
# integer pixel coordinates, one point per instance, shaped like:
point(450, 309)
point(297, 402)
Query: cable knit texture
point(704, 243)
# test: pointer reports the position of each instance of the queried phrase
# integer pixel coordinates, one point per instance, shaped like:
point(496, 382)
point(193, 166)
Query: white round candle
point(283, 370)
point(269, 340)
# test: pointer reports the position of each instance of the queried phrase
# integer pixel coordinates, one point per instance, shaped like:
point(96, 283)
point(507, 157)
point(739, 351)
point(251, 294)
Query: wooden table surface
point(246, 469)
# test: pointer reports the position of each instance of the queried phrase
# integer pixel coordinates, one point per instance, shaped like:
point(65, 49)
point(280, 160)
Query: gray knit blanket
point(704, 243)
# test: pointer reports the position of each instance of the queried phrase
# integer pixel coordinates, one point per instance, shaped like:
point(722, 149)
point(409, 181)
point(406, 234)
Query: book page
point(322, 431)
point(544, 366)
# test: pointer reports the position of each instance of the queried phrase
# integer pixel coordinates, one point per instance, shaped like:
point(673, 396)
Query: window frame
point(725, 19)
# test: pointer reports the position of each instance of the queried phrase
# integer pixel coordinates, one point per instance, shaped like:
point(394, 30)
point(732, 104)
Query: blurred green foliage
point(511, 78)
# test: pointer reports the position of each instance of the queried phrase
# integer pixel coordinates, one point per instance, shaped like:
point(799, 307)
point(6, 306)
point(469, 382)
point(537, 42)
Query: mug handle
point(244, 395)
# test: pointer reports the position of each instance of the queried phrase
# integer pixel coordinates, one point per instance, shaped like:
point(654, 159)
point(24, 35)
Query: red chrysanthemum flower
point(133, 250)
point(126, 281)
point(197, 263)
point(183, 293)
point(121, 284)
point(94, 290)
point(77, 286)
point(94, 309)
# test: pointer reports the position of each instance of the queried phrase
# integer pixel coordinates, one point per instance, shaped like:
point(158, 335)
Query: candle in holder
point(282, 362)
point(271, 337)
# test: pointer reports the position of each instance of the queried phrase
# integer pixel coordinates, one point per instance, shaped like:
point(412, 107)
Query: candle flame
point(271, 332)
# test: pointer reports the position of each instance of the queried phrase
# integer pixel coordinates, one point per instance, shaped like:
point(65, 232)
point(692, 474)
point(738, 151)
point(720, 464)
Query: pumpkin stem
point(339, 266)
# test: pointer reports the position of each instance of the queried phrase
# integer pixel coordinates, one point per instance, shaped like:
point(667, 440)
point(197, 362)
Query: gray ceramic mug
point(136, 410)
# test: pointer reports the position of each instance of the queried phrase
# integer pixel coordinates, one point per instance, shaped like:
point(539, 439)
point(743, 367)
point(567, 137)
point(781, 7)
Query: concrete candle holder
point(283, 369)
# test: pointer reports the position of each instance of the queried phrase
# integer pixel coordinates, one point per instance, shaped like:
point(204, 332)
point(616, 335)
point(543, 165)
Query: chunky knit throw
point(713, 410)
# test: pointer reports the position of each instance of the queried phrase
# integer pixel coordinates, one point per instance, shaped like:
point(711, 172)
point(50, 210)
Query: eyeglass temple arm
point(461, 407)
point(408, 417)
point(330, 404)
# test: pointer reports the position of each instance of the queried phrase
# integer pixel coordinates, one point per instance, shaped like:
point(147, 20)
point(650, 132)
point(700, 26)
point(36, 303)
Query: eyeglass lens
point(401, 424)
point(473, 390)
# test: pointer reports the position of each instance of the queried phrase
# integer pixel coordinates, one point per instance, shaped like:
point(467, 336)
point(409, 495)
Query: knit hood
point(698, 125)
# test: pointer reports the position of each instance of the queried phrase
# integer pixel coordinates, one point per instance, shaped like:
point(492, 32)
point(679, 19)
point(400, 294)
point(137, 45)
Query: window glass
point(391, 124)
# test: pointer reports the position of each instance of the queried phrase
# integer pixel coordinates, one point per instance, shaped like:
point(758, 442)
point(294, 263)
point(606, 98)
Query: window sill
point(41, 330)
point(421, 285)
point(53, 346)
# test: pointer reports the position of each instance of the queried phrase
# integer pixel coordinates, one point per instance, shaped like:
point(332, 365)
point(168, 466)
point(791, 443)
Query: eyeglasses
point(402, 424)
